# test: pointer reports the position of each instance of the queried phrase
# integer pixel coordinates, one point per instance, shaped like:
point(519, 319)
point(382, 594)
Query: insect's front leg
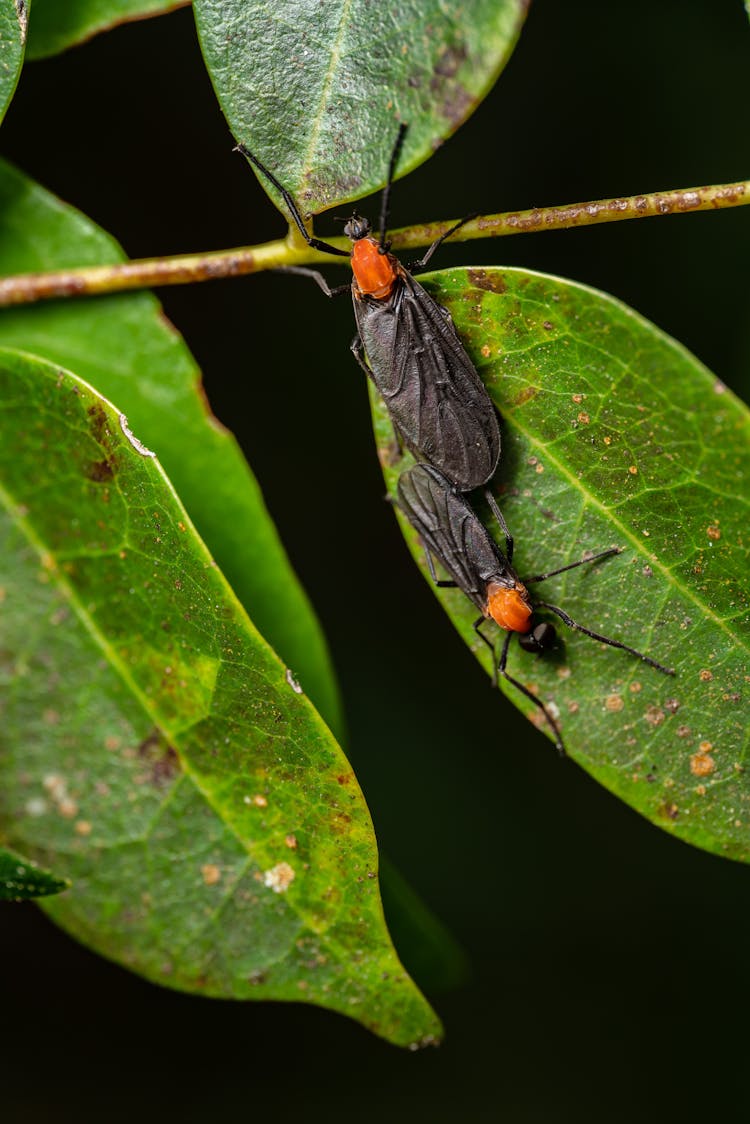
point(315, 276)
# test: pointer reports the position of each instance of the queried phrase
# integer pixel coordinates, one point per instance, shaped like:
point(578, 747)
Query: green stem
point(186, 268)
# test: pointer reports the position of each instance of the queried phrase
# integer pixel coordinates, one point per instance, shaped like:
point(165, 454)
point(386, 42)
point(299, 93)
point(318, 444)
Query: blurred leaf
point(125, 347)
point(14, 15)
point(615, 435)
point(58, 24)
point(317, 91)
point(157, 752)
point(20, 879)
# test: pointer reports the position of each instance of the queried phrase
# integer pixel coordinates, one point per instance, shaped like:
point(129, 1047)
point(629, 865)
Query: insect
point(453, 534)
point(439, 406)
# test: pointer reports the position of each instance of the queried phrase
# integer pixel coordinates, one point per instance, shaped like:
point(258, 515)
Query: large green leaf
point(156, 750)
point(14, 16)
point(126, 349)
point(20, 879)
point(58, 24)
point(615, 435)
point(318, 90)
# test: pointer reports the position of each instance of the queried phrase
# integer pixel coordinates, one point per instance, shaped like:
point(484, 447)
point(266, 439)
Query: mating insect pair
point(453, 534)
point(442, 411)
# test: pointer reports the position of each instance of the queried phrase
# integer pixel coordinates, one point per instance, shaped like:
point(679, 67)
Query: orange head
point(375, 273)
point(509, 608)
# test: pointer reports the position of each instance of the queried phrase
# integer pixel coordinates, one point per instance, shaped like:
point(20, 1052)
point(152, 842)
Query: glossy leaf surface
point(614, 435)
point(124, 347)
point(157, 751)
point(59, 24)
point(317, 91)
point(14, 17)
point(20, 879)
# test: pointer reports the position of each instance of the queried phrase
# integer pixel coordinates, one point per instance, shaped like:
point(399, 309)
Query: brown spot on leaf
point(668, 810)
point(454, 101)
point(655, 715)
point(614, 703)
point(490, 282)
point(211, 874)
point(524, 395)
point(702, 764)
point(161, 758)
point(713, 532)
point(98, 424)
point(279, 878)
point(705, 675)
point(99, 471)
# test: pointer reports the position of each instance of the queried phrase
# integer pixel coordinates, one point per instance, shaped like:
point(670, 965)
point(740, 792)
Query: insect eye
point(540, 639)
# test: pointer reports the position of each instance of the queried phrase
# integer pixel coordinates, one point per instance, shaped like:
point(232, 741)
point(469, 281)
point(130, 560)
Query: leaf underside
point(155, 750)
point(614, 435)
point(317, 91)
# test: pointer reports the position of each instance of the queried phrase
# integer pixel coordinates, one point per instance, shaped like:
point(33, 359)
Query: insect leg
point(530, 695)
point(574, 565)
point(420, 263)
point(478, 629)
point(501, 523)
point(385, 201)
point(603, 639)
point(441, 583)
point(358, 351)
point(313, 243)
point(318, 278)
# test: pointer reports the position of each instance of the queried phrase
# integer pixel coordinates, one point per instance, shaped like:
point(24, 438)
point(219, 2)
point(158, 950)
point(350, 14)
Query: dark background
point(610, 976)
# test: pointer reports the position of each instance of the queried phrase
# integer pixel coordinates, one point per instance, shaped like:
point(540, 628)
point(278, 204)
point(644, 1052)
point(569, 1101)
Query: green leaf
point(14, 16)
point(20, 879)
point(58, 24)
point(317, 91)
point(158, 753)
point(614, 435)
point(124, 347)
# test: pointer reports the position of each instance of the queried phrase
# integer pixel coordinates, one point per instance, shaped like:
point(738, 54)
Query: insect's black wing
point(451, 532)
point(429, 384)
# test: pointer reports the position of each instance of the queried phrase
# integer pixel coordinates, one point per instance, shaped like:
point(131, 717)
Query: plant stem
point(186, 268)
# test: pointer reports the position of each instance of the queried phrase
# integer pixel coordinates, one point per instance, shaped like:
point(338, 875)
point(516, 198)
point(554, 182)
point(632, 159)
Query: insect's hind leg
point(492, 503)
point(358, 351)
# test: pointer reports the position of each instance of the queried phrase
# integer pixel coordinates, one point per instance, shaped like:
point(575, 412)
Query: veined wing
point(452, 532)
point(429, 384)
